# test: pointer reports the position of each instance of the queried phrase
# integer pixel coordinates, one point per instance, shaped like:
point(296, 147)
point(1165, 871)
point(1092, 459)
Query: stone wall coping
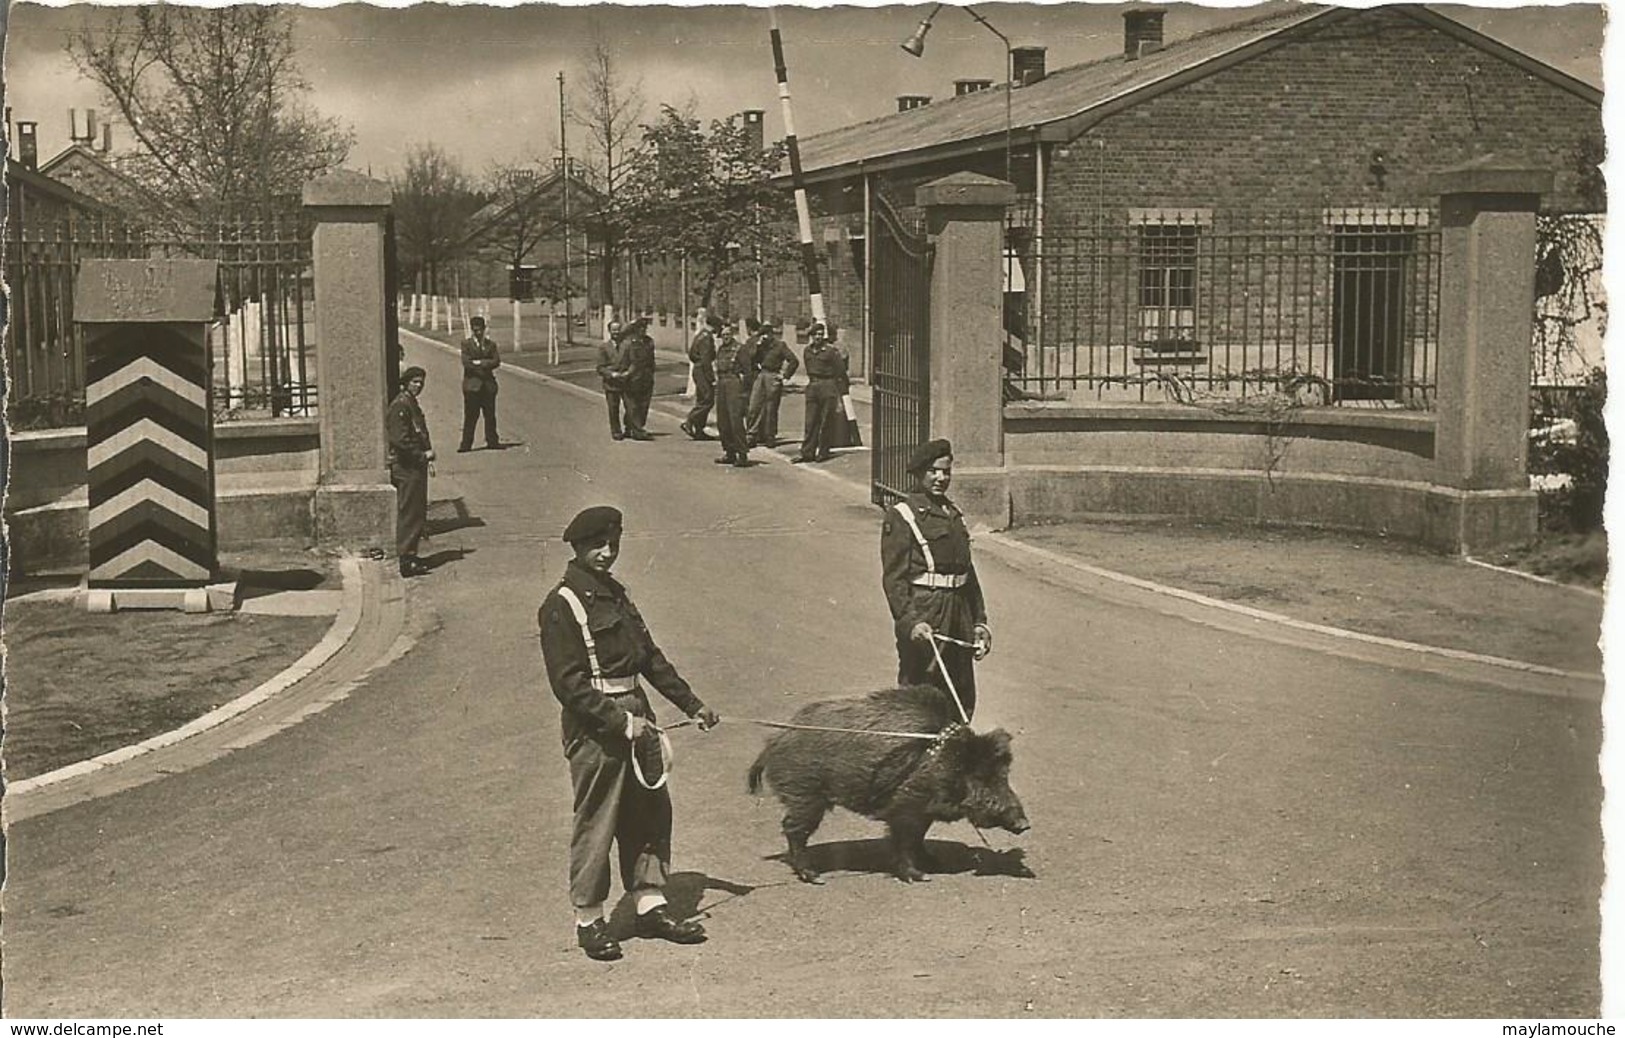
point(346, 188)
point(1492, 180)
point(1342, 417)
point(74, 437)
point(965, 189)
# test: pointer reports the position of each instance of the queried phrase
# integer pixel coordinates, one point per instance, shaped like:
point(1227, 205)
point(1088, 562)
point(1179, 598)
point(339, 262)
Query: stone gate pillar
point(355, 502)
point(1486, 316)
point(965, 218)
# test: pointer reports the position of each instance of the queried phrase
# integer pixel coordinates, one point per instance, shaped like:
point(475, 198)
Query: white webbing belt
point(608, 686)
point(930, 578)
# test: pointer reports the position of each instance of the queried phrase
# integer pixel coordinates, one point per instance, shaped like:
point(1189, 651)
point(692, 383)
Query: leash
point(812, 728)
point(949, 678)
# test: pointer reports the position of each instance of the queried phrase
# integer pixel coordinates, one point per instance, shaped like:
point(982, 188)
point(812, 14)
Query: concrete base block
point(112, 600)
point(1441, 518)
point(223, 597)
point(984, 496)
point(355, 517)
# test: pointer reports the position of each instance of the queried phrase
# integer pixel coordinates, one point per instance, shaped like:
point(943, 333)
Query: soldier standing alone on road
point(930, 582)
point(702, 356)
point(480, 363)
point(410, 458)
point(596, 646)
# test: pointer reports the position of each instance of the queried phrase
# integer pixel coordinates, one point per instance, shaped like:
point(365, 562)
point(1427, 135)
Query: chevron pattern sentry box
point(149, 428)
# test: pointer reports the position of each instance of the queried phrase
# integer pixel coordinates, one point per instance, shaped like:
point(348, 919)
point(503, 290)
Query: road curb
point(1011, 544)
point(338, 635)
point(1461, 655)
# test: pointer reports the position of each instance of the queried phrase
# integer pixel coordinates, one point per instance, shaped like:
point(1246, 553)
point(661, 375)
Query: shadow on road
point(447, 515)
point(947, 859)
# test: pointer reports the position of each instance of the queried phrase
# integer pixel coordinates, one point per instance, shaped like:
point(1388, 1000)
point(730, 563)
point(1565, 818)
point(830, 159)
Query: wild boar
point(906, 783)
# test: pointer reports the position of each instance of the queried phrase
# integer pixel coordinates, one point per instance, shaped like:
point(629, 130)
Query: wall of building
point(1301, 125)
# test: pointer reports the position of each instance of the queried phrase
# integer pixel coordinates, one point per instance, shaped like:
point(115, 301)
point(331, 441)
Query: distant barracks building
point(1336, 116)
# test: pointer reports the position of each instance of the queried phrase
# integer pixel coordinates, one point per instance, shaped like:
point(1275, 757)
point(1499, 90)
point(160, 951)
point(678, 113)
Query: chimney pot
point(28, 145)
point(1142, 31)
point(1027, 65)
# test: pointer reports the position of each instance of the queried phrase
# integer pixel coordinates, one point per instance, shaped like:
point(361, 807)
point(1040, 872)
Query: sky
point(481, 81)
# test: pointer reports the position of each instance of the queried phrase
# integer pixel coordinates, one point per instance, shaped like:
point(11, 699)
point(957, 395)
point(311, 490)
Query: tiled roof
point(1066, 93)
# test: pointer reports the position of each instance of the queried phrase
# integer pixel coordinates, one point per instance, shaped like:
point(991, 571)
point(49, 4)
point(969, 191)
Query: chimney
point(107, 138)
point(753, 128)
point(1027, 65)
point(1142, 31)
point(909, 102)
point(28, 145)
point(971, 86)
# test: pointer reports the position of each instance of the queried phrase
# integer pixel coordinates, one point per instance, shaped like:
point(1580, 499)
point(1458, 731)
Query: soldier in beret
point(777, 364)
point(410, 454)
point(929, 580)
point(597, 651)
point(826, 381)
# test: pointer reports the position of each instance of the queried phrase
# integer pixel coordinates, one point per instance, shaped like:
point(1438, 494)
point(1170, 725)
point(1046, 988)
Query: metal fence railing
point(1329, 305)
point(263, 343)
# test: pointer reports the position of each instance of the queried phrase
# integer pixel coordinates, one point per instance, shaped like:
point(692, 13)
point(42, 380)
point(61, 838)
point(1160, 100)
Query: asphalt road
point(1224, 825)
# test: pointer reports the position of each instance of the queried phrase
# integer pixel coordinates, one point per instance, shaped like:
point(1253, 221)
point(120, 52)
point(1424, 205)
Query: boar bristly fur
point(907, 783)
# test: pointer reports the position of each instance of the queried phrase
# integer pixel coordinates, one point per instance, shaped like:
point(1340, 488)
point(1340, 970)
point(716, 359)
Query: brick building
point(1251, 198)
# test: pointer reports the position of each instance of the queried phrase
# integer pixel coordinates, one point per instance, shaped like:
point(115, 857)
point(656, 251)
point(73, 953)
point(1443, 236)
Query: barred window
point(1168, 281)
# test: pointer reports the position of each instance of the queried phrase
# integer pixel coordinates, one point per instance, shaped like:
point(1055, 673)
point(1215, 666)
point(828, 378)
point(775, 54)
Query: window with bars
point(1167, 298)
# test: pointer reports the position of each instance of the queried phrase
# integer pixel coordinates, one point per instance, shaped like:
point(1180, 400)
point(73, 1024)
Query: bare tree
point(609, 107)
point(434, 198)
point(215, 101)
point(517, 218)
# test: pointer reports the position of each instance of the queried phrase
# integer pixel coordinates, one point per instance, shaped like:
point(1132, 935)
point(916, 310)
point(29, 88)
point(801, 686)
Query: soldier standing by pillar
point(410, 458)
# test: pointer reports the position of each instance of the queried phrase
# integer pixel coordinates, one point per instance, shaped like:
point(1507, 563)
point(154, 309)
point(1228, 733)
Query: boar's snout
point(1018, 824)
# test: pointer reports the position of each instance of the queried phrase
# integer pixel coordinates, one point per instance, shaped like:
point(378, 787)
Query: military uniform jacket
point(407, 431)
point(951, 610)
point(480, 362)
point(638, 359)
point(703, 353)
point(624, 647)
point(824, 361)
point(779, 358)
point(733, 357)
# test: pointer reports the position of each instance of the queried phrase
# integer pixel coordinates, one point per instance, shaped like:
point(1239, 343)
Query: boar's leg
point(801, 819)
point(908, 844)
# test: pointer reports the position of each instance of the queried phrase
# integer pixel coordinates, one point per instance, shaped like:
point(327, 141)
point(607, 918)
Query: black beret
point(752, 324)
point(928, 452)
point(590, 524)
point(713, 321)
point(411, 373)
point(477, 319)
point(817, 328)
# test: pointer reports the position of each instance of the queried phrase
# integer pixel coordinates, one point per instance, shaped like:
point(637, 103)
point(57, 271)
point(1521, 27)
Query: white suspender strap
point(902, 509)
point(580, 613)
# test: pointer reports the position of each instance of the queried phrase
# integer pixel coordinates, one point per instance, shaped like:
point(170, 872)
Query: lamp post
point(915, 45)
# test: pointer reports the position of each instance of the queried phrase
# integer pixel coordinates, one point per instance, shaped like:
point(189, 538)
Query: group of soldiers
point(743, 380)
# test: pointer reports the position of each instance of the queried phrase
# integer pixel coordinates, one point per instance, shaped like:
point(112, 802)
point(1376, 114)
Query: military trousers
point(704, 396)
point(411, 504)
point(731, 414)
point(762, 419)
point(948, 612)
point(613, 808)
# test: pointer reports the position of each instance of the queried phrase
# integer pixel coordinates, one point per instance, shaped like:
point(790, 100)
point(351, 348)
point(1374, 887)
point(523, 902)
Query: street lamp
point(915, 46)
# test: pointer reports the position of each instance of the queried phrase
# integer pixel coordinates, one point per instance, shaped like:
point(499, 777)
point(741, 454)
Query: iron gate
point(900, 312)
